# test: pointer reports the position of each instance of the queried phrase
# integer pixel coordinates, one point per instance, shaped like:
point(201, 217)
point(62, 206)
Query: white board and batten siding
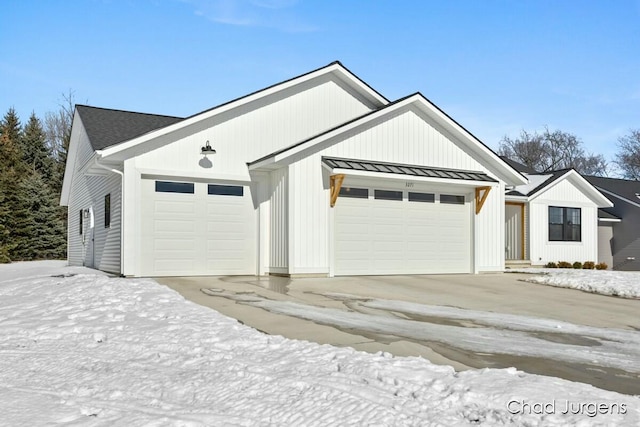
point(254, 130)
point(563, 194)
point(415, 141)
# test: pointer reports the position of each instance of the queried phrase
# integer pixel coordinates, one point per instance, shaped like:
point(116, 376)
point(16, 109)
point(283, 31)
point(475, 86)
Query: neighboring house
point(552, 218)
point(317, 175)
point(619, 226)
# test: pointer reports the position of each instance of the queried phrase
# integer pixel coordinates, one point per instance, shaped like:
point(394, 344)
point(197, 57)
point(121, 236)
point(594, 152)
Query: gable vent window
point(107, 211)
point(174, 187)
point(387, 195)
point(225, 190)
point(356, 193)
point(451, 199)
point(422, 197)
point(565, 224)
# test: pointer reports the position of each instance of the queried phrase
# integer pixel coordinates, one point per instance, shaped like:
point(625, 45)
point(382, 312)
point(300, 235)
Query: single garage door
point(401, 232)
point(195, 228)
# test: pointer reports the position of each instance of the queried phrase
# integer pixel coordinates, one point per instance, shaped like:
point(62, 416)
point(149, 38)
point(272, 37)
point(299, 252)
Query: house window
point(107, 211)
point(422, 197)
point(451, 199)
point(80, 223)
point(357, 193)
point(387, 195)
point(225, 190)
point(174, 187)
point(565, 224)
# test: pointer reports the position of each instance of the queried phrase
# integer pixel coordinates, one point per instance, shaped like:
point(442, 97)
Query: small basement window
point(81, 222)
point(225, 190)
point(356, 193)
point(174, 187)
point(451, 199)
point(422, 197)
point(107, 211)
point(387, 195)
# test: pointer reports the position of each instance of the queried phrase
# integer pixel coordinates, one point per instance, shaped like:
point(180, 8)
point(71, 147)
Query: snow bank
point(94, 350)
point(625, 284)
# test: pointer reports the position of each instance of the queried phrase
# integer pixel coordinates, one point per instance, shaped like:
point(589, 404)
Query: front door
point(514, 231)
point(89, 239)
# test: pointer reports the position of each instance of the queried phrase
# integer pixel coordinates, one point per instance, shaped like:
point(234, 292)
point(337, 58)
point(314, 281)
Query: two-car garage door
point(401, 232)
point(196, 228)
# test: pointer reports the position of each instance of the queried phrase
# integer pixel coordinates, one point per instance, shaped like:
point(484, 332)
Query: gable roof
point(366, 92)
point(539, 183)
point(623, 188)
point(106, 127)
point(481, 151)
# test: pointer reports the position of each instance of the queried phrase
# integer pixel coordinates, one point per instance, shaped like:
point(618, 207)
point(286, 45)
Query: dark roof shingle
point(625, 188)
point(106, 127)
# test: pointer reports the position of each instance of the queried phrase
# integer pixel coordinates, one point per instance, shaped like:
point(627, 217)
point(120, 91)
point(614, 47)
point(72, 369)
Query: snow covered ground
point(92, 350)
point(625, 284)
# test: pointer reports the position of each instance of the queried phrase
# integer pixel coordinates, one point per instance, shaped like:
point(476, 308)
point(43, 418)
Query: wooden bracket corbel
point(335, 182)
point(481, 196)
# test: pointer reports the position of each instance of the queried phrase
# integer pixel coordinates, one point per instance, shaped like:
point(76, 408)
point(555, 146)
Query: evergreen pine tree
point(39, 232)
point(10, 134)
point(6, 244)
point(35, 153)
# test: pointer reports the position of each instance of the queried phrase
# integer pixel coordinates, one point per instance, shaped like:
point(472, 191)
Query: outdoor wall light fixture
point(208, 149)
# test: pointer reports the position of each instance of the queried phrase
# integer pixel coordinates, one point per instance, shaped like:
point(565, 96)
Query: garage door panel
point(374, 236)
point(197, 233)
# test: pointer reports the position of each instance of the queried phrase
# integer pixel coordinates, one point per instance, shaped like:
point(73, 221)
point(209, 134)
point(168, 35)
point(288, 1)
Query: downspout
point(101, 166)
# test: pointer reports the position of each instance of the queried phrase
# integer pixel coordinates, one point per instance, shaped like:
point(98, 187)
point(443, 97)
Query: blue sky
point(496, 66)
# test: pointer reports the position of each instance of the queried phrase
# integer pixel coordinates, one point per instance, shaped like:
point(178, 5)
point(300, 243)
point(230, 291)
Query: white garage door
point(197, 229)
point(401, 232)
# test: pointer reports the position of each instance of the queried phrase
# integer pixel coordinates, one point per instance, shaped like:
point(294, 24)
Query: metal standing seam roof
point(404, 169)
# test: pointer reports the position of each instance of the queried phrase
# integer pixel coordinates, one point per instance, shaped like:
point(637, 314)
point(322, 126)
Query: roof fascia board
point(65, 193)
point(417, 99)
point(609, 220)
point(581, 183)
point(336, 68)
point(631, 202)
point(509, 174)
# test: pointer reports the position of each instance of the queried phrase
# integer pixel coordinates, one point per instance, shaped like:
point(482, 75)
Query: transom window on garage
point(356, 193)
point(565, 224)
point(452, 199)
point(422, 197)
point(174, 187)
point(387, 195)
point(225, 190)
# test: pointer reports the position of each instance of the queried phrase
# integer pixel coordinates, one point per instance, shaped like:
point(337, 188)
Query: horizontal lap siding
point(89, 191)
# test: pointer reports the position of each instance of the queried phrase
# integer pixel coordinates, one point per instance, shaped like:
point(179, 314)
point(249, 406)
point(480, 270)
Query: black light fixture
point(208, 149)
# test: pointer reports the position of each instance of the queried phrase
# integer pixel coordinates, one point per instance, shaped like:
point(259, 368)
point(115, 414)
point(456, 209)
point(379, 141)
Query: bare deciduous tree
point(550, 151)
point(628, 156)
point(57, 125)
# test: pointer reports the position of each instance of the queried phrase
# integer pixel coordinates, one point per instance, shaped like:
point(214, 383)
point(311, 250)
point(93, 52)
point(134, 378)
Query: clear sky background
point(496, 66)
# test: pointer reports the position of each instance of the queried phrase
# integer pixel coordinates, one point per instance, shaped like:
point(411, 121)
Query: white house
point(552, 218)
point(317, 175)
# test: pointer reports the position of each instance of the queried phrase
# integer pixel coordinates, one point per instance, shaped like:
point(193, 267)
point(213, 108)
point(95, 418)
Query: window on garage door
point(451, 199)
point(422, 197)
point(356, 193)
point(387, 195)
point(174, 187)
point(225, 190)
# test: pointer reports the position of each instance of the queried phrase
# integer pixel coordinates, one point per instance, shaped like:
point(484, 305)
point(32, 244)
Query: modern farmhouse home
point(317, 175)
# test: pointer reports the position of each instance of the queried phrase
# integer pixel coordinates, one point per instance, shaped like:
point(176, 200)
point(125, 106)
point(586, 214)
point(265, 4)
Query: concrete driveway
point(251, 301)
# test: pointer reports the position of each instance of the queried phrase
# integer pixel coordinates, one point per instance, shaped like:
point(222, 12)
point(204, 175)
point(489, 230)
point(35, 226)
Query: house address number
point(408, 184)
